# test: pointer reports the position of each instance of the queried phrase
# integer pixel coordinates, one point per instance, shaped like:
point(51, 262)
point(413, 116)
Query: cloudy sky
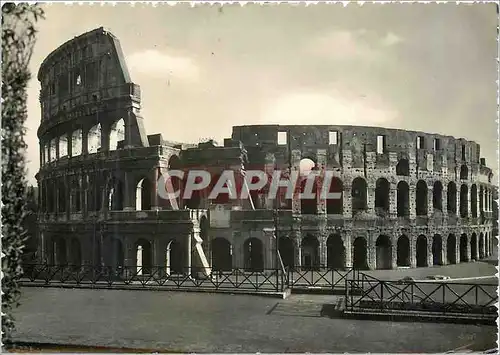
point(204, 69)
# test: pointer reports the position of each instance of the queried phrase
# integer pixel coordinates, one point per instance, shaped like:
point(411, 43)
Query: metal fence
point(154, 277)
point(439, 297)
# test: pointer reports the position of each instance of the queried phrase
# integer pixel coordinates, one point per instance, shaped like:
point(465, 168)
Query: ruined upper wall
point(358, 141)
point(83, 76)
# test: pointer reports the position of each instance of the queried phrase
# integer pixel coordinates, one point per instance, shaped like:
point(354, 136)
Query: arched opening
point(53, 150)
point(451, 249)
point(437, 250)
point(287, 251)
point(403, 196)
point(173, 184)
point(60, 257)
point(76, 252)
point(117, 135)
point(452, 198)
point(464, 172)
point(403, 251)
point(76, 143)
point(63, 146)
point(194, 201)
point(62, 196)
point(473, 247)
point(463, 248)
point(360, 261)
point(144, 257)
point(358, 193)
point(115, 195)
point(383, 251)
point(403, 168)
point(334, 205)
point(473, 200)
point(481, 200)
point(335, 252)
point(481, 245)
point(306, 165)
point(94, 139)
point(117, 254)
point(421, 251)
point(143, 195)
point(464, 201)
point(77, 191)
point(421, 198)
point(253, 254)
point(437, 196)
point(310, 253)
point(309, 200)
point(382, 190)
point(222, 258)
point(175, 258)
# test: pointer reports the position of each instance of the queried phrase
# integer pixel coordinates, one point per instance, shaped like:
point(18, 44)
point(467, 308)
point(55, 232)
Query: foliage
point(18, 38)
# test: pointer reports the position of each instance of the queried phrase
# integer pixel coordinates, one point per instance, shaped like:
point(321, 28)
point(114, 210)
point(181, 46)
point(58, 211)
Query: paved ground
point(193, 322)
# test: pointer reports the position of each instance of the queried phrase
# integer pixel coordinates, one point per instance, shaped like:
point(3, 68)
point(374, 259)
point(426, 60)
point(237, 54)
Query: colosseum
point(409, 199)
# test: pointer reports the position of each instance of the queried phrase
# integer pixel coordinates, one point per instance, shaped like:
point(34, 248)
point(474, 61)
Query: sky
point(202, 70)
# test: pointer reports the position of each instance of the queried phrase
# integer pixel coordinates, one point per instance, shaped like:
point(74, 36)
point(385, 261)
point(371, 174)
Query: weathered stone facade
point(408, 198)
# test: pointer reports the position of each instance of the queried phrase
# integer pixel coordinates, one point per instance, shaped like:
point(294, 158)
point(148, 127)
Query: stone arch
point(360, 253)
point(175, 257)
point(382, 196)
point(464, 172)
point(77, 142)
point(94, 139)
point(358, 193)
point(473, 247)
point(310, 253)
point(144, 256)
point(403, 251)
point(253, 255)
point(117, 135)
point(421, 251)
point(437, 196)
point(287, 251)
point(463, 248)
point(481, 246)
point(76, 252)
point(451, 197)
point(335, 252)
point(60, 256)
point(143, 195)
point(464, 202)
point(306, 165)
point(421, 198)
point(403, 168)
point(403, 197)
point(383, 252)
point(437, 250)
point(222, 254)
point(451, 249)
point(115, 195)
point(473, 200)
point(334, 205)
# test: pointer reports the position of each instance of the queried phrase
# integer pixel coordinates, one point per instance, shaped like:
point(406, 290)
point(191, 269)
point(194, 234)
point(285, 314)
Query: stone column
point(370, 197)
point(154, 190)
point(347, 200)
point(298, 249)
point(321, 164)
point(322, 238)
point(444, 199)
point(444, 253)
point(394, 251)
point(412, 200)
point(295, 168)
point(128, 204)
point(430, 255)
point(347, 240)
point(413, 251)
point(393, 201)
point(371, 252)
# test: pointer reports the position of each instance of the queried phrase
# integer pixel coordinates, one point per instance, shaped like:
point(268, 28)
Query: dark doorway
point(287, 252)
point(360, 253)
point(437, 250)
point(383, 250)
point(421, 249)
point(335, 252)
point(451, 247)
point(253, 255)
point(222, 259)
point(403, 251)
point(310, 253)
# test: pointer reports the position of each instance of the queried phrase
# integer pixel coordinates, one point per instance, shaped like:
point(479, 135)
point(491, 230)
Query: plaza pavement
point(197, 322)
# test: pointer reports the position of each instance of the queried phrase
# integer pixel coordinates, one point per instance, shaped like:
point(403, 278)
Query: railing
point(328, 279)
point(161, 277)
point(413, 296)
